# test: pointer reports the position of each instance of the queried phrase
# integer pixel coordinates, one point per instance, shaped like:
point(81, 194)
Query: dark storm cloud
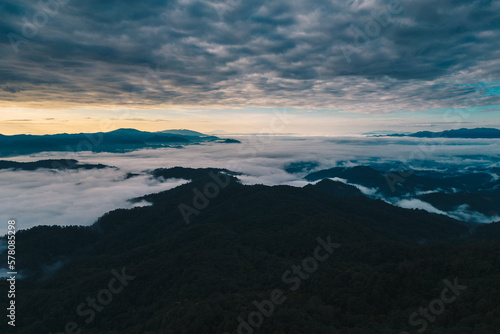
point(318, 54)
point(10, 89)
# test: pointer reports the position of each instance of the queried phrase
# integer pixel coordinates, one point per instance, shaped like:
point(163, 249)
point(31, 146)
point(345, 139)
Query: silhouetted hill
point(335, 188)
point(185, 132)
point(459, 133)
point(301, 166)
point(488, 231)
point(477, 190)
point(193, 174)
point(49, 164)
point(230, 141)
point(120, 140)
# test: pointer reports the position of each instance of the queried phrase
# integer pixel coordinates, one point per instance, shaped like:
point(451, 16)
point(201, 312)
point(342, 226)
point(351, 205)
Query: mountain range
point(207, 274)
point(474, 190)
point(60, 164)
point(459, 133)
point(121, 140)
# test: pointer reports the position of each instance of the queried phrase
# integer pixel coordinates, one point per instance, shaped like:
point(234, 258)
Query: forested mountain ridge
point(59, 164)
point(476, 190)
point(200, 277)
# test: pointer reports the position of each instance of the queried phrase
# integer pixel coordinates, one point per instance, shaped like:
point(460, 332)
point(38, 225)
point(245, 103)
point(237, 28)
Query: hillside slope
point(242, 244)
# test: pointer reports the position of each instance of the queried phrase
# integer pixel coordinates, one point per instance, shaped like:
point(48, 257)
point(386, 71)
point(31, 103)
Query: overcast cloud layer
point(423, 55)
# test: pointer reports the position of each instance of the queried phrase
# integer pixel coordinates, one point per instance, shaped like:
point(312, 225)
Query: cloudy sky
point(336, 66)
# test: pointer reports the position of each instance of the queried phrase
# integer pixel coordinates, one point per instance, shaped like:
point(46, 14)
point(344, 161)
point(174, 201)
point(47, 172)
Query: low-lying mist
point(58, 197)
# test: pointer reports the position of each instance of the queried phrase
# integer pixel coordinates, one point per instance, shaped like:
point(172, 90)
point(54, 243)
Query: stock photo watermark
point(372, 29)
point(93, 141)
point(436, 307)
point(256, 144)
point(428, 146)
point(31, 27)
point(12, 272)
point(201, 199)
point(293, 278)
point(87, 310)
point(224, 6)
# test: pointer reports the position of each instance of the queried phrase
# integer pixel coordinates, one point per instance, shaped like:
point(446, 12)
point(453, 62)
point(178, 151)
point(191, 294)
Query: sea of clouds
point(79, 197)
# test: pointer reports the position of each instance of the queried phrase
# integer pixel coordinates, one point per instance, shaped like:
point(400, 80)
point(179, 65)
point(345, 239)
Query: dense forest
point(216, 256)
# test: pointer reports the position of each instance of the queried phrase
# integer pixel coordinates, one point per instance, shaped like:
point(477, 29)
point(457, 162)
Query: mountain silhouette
point(459, 133)
point(121, 140)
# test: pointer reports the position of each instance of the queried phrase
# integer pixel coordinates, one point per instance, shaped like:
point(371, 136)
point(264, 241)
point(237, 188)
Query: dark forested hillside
point(475, 190)
point(60, 164)
point(206, 257)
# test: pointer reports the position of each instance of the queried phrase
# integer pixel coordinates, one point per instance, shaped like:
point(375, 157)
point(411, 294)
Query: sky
point(332, 67)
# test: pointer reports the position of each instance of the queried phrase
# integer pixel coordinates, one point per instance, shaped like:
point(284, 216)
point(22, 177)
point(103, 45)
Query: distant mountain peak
point(119, 140)
point(184, 132)
point(126, 130)
point(478, 133)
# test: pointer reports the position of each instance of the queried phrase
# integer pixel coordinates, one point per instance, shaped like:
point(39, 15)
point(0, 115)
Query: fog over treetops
point(79, 196)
